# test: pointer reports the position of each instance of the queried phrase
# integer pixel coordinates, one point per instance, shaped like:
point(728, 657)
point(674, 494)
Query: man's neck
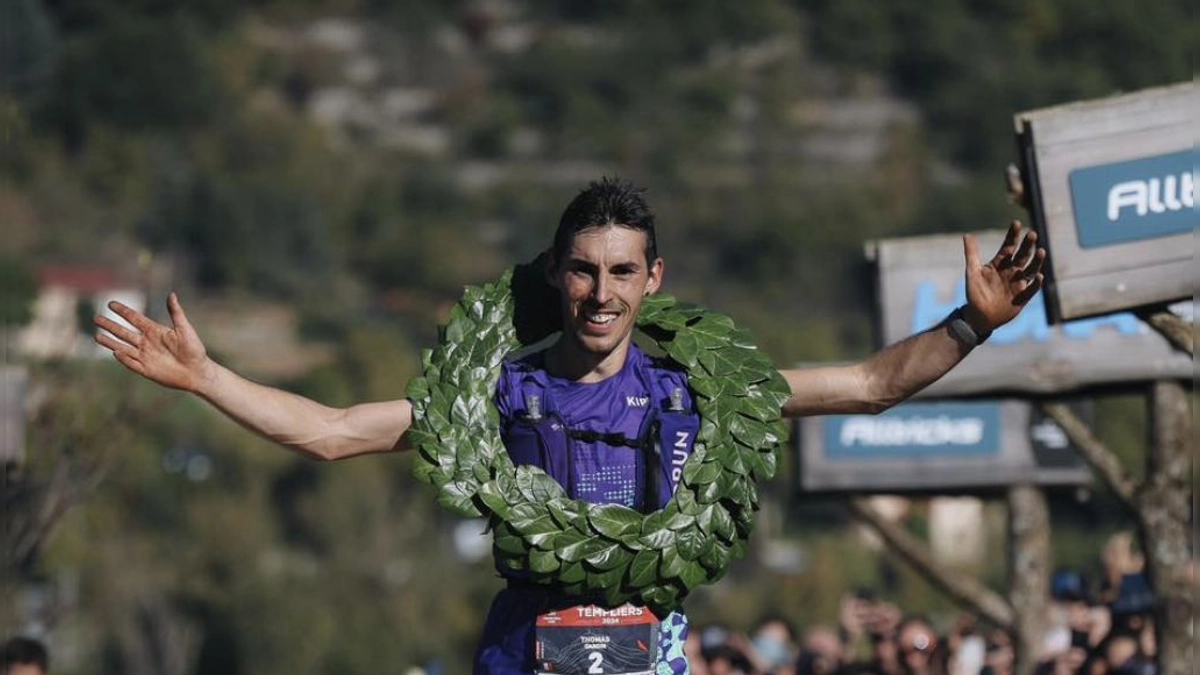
point(567, 360)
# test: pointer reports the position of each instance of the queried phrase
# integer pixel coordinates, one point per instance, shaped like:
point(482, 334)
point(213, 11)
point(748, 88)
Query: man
point(604, 262)
point(24, 656)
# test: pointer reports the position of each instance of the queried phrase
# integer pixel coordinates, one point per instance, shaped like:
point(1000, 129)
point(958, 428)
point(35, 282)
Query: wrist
point(206, 378)
point(963, 325)
point(976, 320)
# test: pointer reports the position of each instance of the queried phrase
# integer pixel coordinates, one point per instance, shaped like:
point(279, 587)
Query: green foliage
point(18, 289)
point(135, 73)
point(971, 66)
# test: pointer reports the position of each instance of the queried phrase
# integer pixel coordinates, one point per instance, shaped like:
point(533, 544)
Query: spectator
point(729, 660)
point(966, 647)
point(773, 646)
point(921, 652)
point(869, 633)
point(821, 653)
point(25, 656)
point(1000, 658)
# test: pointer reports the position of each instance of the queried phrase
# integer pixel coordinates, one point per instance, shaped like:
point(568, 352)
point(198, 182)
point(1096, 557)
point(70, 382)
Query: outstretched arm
point(996, 293)
point(175, 357)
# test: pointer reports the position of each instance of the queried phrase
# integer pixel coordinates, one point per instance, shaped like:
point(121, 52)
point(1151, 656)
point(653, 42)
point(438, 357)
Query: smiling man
point(611, 424)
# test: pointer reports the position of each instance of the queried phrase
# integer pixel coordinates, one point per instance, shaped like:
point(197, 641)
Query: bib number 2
point(590, 640)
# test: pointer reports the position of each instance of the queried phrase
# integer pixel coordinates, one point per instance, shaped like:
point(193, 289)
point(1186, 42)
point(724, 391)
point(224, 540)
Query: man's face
point(603, 279)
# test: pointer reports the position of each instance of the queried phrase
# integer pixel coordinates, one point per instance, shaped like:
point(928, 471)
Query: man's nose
point(602, 289)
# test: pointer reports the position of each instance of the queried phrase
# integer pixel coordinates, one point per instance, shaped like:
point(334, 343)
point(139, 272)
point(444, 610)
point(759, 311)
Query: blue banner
point(916, 430)
point(1135, 200)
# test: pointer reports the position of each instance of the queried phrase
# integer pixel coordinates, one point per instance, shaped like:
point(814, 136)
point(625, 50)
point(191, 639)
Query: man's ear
point(656, 277)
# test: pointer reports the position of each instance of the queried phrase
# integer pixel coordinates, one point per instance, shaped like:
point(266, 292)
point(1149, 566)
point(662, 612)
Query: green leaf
point(546, 541)
point(705, 386)
point(490, 495)
point(613, 520)
point(685, 349)
point(715, 558)
point(511, 545)
point(418, 389)
point(458, 498)
point(576, 551)
point(672, 563)
point(722, 524)
point(693, 575)
point(601, 559)
point(643, 569)
point(657, 539)
point(614, 594)
point(685, 499)
point(543, 562)
point(661, 598)
point(701, 474)
point(710, 493)
point(679, 520)
point(689, 543)
point(600, 581)
point(536, 486)
point(542, 525)
point(572, 573)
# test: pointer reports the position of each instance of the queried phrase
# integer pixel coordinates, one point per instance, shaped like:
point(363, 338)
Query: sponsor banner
point(1130, 201)
point(922, 430)
point(1111, 189)
point(957, 446)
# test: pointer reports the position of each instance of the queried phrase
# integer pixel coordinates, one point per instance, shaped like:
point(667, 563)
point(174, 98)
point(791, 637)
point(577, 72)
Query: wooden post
point(1163, 508)
point(1029, 574)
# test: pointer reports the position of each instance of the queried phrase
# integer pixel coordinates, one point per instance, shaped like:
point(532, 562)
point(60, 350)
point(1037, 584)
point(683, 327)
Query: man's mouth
point(601, 319)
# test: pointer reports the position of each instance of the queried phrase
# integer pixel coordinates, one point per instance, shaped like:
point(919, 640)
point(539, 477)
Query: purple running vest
point(600, 472)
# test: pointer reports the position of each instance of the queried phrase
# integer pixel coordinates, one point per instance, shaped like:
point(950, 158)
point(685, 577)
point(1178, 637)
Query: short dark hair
point(608, 201)
point(25, 651)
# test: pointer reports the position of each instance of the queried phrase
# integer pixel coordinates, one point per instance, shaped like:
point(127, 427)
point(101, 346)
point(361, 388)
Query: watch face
point(962, 331)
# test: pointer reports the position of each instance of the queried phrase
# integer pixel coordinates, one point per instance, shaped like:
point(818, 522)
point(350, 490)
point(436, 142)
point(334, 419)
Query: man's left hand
point(999, 289)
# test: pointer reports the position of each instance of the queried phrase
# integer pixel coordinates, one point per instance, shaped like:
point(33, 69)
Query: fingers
point(134, 317)
point(971, 251)
point(128, 336)
point(123, 352)
point(129, 361)
point(1032, 286)
point(1005, 257)
point(1034, 268)
point(1025, 252)
point(175, 310)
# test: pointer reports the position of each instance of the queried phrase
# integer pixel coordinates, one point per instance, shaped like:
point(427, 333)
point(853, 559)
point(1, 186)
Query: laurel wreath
point(604, 550)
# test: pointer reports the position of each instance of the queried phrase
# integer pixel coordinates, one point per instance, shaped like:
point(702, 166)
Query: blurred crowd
point(1100, 630)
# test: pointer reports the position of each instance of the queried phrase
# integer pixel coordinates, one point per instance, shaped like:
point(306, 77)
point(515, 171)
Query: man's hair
point(609, 201)
point(24, 651)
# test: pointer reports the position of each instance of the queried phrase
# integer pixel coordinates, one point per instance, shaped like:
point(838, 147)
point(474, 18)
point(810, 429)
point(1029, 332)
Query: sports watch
point(962, 330)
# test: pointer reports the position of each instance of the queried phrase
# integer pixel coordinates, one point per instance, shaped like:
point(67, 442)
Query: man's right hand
point(173, 357)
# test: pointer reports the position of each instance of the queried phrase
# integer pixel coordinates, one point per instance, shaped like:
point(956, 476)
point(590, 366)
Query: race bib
point(591, 640)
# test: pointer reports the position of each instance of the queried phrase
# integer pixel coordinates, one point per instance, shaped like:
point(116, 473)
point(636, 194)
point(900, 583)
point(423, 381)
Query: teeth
point(601, 318)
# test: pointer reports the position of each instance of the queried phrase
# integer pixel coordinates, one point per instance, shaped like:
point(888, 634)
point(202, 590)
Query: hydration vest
point(536, 434)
